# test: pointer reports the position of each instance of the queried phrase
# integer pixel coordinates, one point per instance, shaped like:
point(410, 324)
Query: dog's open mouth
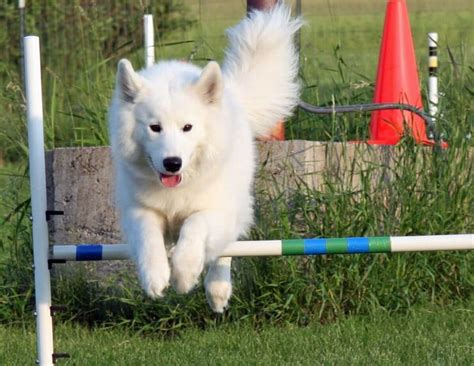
point(170, 181)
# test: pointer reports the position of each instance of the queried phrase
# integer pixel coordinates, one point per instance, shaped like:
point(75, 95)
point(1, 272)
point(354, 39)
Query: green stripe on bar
point(292, 247)
point(379, 244)
point(336, 246)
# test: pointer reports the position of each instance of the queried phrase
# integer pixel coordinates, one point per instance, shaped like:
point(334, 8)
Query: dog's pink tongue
point(170, 181)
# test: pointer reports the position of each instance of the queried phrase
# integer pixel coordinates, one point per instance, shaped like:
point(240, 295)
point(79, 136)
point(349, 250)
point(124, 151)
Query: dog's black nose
point(172, 164)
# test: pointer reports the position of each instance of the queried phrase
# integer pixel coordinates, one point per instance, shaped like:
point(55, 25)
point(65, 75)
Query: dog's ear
point(129, 82)
point(210, 84)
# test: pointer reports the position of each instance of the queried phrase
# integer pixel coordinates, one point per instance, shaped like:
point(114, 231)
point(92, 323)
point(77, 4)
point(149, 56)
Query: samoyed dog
point(183, 148)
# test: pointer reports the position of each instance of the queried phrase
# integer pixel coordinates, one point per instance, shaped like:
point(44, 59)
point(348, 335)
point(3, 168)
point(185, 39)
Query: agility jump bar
point(357, 245)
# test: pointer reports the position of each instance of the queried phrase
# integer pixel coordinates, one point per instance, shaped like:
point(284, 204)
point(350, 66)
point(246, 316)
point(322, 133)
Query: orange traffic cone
point(397, 81)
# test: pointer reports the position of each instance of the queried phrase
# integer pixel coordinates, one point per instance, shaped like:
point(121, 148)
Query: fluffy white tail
point(261, 66)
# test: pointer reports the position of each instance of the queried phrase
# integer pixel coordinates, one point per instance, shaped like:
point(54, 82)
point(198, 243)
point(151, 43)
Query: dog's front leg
point(189, 254)
point(218, 284)
point(202, 238)
point(144, 232)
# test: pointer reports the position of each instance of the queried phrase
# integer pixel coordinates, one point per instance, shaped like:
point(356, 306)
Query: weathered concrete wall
point(80, 181)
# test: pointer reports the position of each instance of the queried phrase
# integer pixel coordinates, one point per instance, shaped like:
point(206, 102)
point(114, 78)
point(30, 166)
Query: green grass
point(420, 338)
point(11, 208)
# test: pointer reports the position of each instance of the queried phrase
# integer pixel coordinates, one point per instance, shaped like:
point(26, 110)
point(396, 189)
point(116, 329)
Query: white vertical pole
point(433, 96)
point(44, 323)
point(149, 40)
point(21, 9)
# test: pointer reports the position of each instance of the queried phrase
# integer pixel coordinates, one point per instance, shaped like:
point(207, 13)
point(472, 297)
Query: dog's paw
point(155, 281)
point(187, 267)
point(218, 294)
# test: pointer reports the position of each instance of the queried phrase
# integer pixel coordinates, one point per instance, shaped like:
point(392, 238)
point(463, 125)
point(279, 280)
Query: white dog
point(183, 146)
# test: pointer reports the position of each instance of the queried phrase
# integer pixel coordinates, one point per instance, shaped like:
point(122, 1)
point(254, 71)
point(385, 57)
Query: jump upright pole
point(21, 10)
point(361, 245)
point(433, 95)
point(34, 106)
point(149, 39)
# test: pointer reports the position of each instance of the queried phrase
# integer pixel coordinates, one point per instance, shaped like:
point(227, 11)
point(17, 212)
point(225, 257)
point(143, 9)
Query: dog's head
point(165, 114)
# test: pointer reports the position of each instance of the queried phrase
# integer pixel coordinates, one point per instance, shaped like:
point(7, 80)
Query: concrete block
point(80, 183)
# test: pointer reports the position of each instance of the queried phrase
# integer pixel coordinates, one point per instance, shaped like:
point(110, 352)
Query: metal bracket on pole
point(50, 213)
point(55, 261)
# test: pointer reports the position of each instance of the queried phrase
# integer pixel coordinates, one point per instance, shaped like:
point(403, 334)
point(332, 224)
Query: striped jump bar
point(336, 246)
point(361, 245)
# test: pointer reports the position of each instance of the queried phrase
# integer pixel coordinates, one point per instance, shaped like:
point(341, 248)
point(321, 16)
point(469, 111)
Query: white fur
point(212, 205)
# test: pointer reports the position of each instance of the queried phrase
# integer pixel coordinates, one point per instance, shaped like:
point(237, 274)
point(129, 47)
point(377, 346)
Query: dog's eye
point(155, 128)
point(187, 127)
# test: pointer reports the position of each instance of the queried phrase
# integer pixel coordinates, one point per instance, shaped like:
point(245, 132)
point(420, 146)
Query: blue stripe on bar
point(357, 245)
point(88, 252)
point(315, 246)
